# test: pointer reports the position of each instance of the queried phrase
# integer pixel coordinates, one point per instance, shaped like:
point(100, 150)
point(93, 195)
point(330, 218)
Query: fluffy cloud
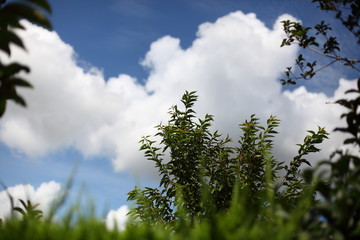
point(44, 194)
point(116, 219)
point(233, 64)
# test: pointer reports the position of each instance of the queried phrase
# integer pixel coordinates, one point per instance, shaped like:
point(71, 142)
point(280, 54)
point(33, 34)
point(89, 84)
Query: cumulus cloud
point(233, 64)
point(116, 219)
point(44, 195)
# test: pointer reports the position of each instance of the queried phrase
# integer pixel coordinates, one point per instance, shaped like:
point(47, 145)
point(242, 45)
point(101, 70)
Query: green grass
point(239, 222)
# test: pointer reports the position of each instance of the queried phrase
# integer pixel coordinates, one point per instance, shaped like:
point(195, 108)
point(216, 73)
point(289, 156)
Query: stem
point(325, 66)
point(318, 52)
point(353, 61)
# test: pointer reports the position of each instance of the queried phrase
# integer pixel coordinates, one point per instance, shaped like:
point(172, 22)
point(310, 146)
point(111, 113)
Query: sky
point(110, 70)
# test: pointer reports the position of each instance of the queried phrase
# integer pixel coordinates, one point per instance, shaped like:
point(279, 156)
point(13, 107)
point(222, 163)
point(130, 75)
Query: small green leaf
point(2, 106)
point(20, 210)
point(19, 100)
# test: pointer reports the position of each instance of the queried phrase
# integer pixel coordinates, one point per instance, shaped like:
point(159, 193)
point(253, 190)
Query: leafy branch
point(11, 14)
point(296, 33)
point(347, 11)
point(295, 185)
point(352, 117)
point(200, 169)
point(339, 186)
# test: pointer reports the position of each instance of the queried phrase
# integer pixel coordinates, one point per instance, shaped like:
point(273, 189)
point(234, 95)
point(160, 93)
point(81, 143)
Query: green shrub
point(199, 169)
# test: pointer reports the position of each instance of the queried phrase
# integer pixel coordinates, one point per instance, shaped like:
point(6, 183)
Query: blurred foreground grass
point(238, 222)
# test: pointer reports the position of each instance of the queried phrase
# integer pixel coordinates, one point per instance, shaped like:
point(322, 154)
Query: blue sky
point(114, 34)
point(111, 69)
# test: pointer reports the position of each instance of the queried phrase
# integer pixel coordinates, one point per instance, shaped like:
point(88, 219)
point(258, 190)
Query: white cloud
point(44, 195)
point(116, 219)
point(233, 64)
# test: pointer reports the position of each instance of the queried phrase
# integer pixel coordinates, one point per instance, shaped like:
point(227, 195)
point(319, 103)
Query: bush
point(200, 170)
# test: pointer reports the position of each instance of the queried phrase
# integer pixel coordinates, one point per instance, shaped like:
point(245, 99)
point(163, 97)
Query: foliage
point(29, 211)
point(339, 188)
point(347, 11)
point(210, 189)
point(193, 151)
point(295, 185)
point(199, 169)
point(352, 117)
point(337, 213)
point(227, 226)
point(318, 39)
point(11, 13)
point(334, 216)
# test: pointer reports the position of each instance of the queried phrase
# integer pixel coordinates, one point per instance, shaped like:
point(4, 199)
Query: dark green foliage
point(336, 215)
point(347, 11)
point(210, 189)
point(254, 155)
point(11, 13)
point(200, 169)
point(29, 211)
point(295, 185)
point(197, 156)
point(339, 188)
point(9, 83)
point(352, 117)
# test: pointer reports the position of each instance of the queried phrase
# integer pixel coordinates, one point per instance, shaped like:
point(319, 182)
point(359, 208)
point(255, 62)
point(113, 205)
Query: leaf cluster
point(352, 117)
point(318, 40)
point(347, 11)
point(200, 169)
point(11, 14)
point(295, 186)
point(319, 202)
point(337, 213)
point(29, 210)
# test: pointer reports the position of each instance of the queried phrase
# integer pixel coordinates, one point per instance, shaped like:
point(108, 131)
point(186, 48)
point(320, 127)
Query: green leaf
point(351, 91)
point(308, 175)
point(20, 210)
point(23, 203)
point(2, 106)
point(14, 68)
point(8, 37)
point(350, 141)
point(32, 14)
point(19, 100)
point(306, 162)
point(342, 165)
